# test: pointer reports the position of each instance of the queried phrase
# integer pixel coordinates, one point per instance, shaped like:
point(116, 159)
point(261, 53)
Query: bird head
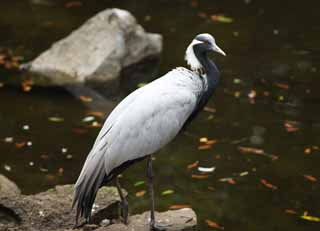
point(203, 43)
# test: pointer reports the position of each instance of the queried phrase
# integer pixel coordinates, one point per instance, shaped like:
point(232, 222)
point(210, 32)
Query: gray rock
point(51, 210)
point(96, 52)
point(8, 188)
point(173, 220)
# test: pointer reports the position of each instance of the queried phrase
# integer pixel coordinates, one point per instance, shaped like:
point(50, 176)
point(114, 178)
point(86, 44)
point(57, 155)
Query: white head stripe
point(191, 58)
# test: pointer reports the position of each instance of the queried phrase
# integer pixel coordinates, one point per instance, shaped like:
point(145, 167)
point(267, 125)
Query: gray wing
point(141, 124)
point(148, 123)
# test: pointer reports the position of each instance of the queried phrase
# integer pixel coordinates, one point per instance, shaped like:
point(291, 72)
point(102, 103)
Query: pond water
point(268, 102)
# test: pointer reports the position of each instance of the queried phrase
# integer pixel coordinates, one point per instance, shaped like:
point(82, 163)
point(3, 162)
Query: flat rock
point(8, 188)
point(173, 220)
point(51, 210)
point(96, 52)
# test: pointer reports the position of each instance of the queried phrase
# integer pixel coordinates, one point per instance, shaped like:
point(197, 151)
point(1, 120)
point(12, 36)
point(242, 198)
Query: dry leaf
point(204, 147)
point(282, 86)
point(290, 211)
point(193, 165)
point(85, 99)
point(179, 206)
point(141, 193)
point(268, 184)
point(195, 176)
point(20, 145)
point(213, 224)
point(310, 178)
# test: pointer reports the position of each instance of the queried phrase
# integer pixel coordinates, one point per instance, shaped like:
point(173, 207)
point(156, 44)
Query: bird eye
point(206, 41)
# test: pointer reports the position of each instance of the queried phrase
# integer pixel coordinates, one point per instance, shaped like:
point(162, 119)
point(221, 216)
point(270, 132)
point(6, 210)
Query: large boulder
point(96, 52)
point(51, 210)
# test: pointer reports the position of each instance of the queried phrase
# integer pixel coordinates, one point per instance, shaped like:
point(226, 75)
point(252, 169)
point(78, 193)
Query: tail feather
point(90, 180)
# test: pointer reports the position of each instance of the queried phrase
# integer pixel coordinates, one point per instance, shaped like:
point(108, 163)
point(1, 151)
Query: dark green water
point(270, 45)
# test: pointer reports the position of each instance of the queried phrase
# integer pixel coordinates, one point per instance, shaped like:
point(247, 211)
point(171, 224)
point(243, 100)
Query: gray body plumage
point(141, 124)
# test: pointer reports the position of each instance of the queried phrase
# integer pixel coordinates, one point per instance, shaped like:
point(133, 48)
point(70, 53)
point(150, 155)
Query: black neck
point(210, 80)
point(212, 74)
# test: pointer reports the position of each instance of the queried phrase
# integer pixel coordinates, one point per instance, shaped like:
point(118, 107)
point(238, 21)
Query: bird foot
point(78, 226)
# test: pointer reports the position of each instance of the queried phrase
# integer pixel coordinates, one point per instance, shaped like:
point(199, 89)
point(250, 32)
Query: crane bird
point(145, 121)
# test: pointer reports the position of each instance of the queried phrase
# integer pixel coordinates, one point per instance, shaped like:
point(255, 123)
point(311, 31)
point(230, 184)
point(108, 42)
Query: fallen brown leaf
point(179, 206)
point(268, 184)
point(141, 193)
point(213, 224)
point(196, 176)
point(310, 178)
point(193, 165)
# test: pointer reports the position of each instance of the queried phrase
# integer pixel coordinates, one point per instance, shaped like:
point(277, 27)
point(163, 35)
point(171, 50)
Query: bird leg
point(124, 203)
point(150, 175)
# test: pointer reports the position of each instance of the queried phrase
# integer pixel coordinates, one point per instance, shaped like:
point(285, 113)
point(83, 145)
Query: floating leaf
point(229, 180)
point(167, 192)
point(310, 178)
point(193, 165)
point(204, 169)
point(305, 216)
point(244, 173)
point(20, 144)
point(179, 206)
point(268, 184)
point(141, 193)
point(282, 85)
point(56, 119)
point(138, 183)
point(85, 99)
point(307, 150)
point(213, 224)
point(221, 18)
point(209, 109)
point(204, 147)
point(236, 81)
point(8, 139)
point(291, 126)
point(88, 119)
point(251, 150)
point(7, 167)
point(290, 211)
point(195, 176)
point(203, 139)
point(252, 94)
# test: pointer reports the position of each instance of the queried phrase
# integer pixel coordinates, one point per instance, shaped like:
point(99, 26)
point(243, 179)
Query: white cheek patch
point(191, 58)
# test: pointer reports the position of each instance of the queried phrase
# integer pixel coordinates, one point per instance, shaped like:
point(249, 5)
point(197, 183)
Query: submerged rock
point(51, 210)
point(96, 52)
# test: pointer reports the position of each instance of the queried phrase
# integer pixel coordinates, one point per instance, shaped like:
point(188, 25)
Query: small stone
point(105, 222)
point(25, 127)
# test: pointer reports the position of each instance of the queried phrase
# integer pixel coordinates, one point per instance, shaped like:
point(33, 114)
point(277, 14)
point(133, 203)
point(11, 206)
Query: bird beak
point(218, 49)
